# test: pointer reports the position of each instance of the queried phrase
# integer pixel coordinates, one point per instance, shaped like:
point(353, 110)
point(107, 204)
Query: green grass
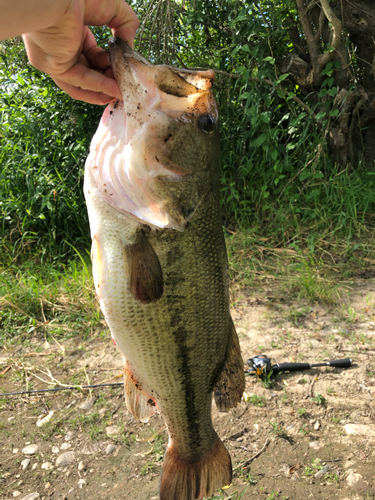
point(52, 296)
point(54, 299)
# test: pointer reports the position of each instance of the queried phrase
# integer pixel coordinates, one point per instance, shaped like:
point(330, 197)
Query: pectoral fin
point(145, 276)
point(230, 384)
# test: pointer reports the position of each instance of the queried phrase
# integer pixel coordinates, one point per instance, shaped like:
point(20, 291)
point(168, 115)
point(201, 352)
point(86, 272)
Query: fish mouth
point(172, 81)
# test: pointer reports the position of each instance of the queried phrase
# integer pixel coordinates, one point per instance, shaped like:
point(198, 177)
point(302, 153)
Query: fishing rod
point(262, 367)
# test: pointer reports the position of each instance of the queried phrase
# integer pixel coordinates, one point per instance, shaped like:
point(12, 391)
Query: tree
point(295, 82)
point(334, 56)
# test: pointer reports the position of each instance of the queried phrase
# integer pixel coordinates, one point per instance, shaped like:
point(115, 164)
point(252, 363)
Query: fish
point(160, 264)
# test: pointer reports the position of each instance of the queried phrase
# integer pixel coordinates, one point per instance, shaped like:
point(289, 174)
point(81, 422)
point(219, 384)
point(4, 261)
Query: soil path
point(311, 434)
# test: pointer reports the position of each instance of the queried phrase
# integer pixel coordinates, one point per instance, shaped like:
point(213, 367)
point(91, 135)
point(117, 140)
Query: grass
point(324, 273)
point(55, 299)
point(54, 294)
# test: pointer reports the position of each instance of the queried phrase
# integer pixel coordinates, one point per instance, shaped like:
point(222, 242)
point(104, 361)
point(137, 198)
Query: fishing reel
point(262, 367)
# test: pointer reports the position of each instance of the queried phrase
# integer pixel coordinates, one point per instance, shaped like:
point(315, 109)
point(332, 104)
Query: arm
point(22, 16)
point(59, 42)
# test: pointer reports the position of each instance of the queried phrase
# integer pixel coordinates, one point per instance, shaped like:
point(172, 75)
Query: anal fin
point(140, 405)
point(230, 383)
point(145, 276)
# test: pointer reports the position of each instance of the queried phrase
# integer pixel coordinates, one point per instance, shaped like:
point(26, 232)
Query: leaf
point(258, 141)
point(282, 78)
point(304, 175)
point(269, 59)
point(334, 112)
point(320, 115)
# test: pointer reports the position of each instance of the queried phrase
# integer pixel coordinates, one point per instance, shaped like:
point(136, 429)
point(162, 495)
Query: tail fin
point(185, 480)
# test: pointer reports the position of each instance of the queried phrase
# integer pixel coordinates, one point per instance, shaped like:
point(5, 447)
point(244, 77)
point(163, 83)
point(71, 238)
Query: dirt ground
point(310, 435)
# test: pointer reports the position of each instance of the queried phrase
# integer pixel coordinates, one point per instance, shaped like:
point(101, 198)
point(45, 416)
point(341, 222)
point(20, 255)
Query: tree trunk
point(342, 32)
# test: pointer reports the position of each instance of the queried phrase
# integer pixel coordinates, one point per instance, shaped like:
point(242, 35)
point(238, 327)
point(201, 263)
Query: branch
point(307, 28)
point(323, 59)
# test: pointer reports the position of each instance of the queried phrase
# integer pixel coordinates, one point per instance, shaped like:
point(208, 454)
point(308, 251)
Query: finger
point(83, 95)
point(125, 23)
point(88, 79)
point(97, 57)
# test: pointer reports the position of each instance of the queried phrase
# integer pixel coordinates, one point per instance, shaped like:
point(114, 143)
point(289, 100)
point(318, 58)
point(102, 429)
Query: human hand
point(69, 53)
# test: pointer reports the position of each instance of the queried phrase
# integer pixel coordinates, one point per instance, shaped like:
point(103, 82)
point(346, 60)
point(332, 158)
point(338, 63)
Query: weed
point(298, 316)
point(332, 476)
point(285, 397)
point(245, 475)
point(304, 429)
point(316, 465)
point(319, 399)
point(274, 494)
point(268, 380)
point(302, 412)
point(255, 400)
point(336, 420)
point(278, 431)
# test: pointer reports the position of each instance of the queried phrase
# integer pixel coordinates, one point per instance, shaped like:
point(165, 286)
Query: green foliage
point(319, 399)
point(276, 172)
point(57, 300)
point(44, 141)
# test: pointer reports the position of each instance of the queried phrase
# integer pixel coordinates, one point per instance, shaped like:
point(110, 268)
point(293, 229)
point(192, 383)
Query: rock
point(31, 449)
point(360, 429)
point(69, 436)
point(322, 472)
point(316, 445)
point(317, 425)
point(25, 463)
point(353, 479)
point(65, 459)
point(16, 493)
point(113, 430)
point(81, 466)
point(110, 449)
point(55, 449)
point(65, 446)
point(34, 466)
point(45, 420)
point(87, 405)
point(31, 496)
point(356, 482)
point(46, 466)
point(47, 485)
point(81, 482)
point(102, 412)
point(15, 450)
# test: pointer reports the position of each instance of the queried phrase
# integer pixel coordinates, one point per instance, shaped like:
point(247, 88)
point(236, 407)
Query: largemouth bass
point(160, 264)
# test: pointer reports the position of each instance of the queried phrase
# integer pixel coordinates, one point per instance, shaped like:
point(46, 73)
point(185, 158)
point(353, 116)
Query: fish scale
point(162, 281)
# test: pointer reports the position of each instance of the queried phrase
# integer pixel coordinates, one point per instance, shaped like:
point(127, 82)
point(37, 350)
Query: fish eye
point(206, 123)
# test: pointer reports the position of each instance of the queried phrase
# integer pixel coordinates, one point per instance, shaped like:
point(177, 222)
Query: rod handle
point(290, 367)
point(341, 363)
